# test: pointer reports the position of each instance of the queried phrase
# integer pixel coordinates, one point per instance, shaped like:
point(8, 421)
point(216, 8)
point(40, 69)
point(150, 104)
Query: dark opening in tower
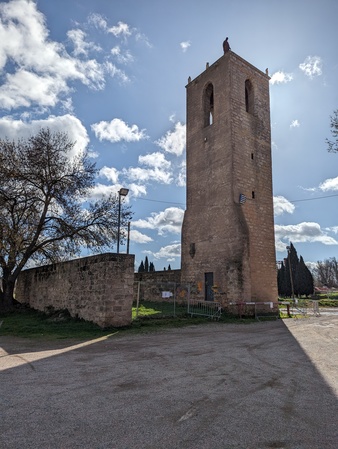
point(249, 97)
point(208, 100)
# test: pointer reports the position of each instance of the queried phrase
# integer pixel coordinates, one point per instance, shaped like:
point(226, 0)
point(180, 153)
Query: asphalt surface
point(213, 386)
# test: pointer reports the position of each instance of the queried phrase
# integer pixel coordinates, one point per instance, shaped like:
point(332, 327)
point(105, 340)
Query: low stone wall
point(149, 286)
point(96, 288)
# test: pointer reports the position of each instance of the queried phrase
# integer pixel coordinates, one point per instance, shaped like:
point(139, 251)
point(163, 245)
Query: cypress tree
point(281, 280)
point(141, 267)
point(287, 284)
point(294, 264)
point(304, 279)
point(146, 264)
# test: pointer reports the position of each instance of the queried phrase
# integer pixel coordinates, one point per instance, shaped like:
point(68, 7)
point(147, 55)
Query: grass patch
point(30, 323)
point(323, 301)
point(329, 295)
point(328, 303)
point(159, 308)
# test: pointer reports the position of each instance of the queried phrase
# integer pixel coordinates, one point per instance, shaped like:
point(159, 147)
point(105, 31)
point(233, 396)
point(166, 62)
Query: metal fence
point(259, 310)
point(210, 309)
point(163, 299)
point(305, 307)
point(172, 299)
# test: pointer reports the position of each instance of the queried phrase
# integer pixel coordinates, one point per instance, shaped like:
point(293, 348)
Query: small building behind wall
point(228, 229)
point(97, 288)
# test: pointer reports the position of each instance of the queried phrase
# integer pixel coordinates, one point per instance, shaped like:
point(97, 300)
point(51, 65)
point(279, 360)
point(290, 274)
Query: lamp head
point(123, 191)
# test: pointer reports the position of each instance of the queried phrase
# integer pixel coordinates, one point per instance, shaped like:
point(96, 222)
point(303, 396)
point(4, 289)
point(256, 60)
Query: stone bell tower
point(228, 228)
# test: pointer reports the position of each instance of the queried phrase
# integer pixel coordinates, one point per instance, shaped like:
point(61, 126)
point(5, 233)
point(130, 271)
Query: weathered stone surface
point(97, 288)
point(150, 285)
point(228, 154)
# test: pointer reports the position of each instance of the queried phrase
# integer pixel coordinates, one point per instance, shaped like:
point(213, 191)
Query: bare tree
point(326, 272)
point(46, 211)
point(333, 145)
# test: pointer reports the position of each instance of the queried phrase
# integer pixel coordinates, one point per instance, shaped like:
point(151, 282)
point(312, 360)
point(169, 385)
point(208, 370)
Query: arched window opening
point(249, 99)
point(208, 101)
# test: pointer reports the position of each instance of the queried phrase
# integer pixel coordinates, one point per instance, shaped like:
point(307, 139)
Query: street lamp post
point(122, 192)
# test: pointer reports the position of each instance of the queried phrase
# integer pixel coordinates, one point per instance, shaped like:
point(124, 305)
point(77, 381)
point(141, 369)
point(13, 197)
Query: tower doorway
point(209, 282)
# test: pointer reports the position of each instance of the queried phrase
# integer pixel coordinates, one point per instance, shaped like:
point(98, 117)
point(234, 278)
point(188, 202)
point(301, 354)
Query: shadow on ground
point(260, 385)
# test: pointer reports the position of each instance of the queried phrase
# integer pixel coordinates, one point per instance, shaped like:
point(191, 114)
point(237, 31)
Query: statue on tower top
point(226, 46)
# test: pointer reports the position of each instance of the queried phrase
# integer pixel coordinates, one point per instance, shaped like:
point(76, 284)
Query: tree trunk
point(7, 293)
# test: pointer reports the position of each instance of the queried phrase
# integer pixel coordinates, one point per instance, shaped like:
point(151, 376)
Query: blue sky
point(112, 73)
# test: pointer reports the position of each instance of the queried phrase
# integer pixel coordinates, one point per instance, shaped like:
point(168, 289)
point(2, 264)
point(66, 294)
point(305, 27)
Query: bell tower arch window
point(208, 104)
point(249, 97)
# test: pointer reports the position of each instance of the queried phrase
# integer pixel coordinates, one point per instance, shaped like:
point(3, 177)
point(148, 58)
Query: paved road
point(213, 386)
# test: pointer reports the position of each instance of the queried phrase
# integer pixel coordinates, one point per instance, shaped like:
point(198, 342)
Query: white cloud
point(309, 189)
point(140, 37)
point(311, 265)
point(182, 175)
point(329, 184)
point(110, 173)
point(302, 232)
point(281, 205)
point(185, 45)
point(103, 190)
point(98, 21)
point(281, 78)
point(138, 237)
point(117, 130)
point(113, 71)
point(137, 190)
point(41, 69)
point(122, 58)
point(295, 124)
point(156, 159)
point(169, 220)
point(24, 88)
point(121, 29)
point(67, 105)
point(334, 229)
point(81, 47)
point(13, 129)
point(312, 66)
point(174, 141)
point(169, 252)
point(147, 174)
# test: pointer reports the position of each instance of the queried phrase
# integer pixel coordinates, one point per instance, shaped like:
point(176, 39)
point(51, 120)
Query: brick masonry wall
point(228, 157)
point(96, 288)
point(252, 167)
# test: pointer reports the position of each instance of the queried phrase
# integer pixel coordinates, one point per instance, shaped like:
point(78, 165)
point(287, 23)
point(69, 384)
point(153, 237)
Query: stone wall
point(149, 286)
point(96, 288)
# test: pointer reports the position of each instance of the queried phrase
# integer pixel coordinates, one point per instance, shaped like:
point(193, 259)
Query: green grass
point(152, 316)
point(160, 308)
point(323, 301)
point(33, 324)
point(328, 303)
point(29, 323)
point(328, 296)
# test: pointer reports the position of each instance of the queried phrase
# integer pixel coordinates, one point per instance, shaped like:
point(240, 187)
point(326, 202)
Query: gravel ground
point(260, 385)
